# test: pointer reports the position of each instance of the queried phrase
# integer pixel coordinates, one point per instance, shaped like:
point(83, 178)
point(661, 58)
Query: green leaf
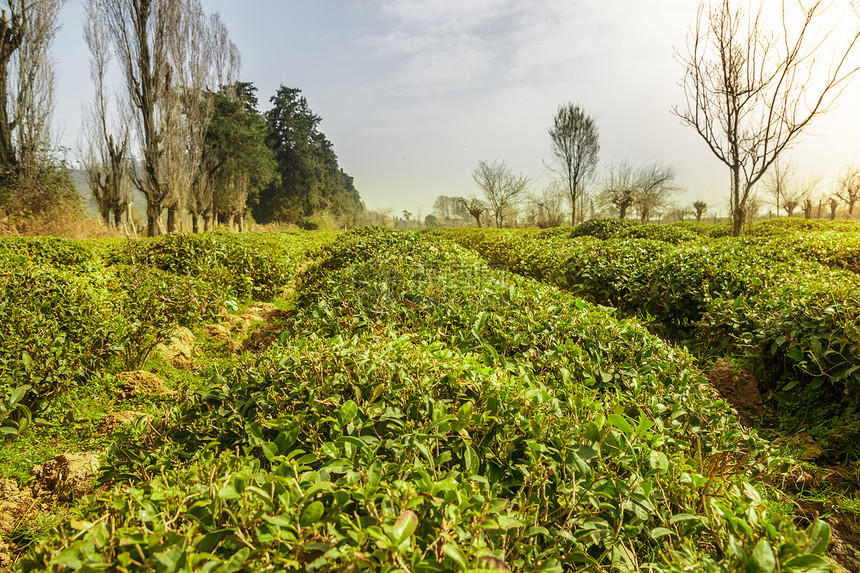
point(659, 532)
point(506, 522)
point(235, 562)
point(347, 413)
point(27, 360)
point(207, 543)
point(312, 514)
point(620, 423)
point(18, 394)
point(456, 554)
point(228, 492)
point(404, 526)
point(808, 564)
point(819, 533)
point(762, 560)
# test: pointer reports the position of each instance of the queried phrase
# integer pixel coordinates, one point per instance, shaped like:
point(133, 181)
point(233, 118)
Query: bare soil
point(844, 548)
point(740, 389)
point(142, 383)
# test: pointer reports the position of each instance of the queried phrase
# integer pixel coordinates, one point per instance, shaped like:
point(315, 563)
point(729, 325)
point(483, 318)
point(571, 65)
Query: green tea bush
point(713, 231)
point(55, 330)
point(835, 249)
point(807, 329)
point(247, 266)
point(425, 412)
point(147, 304)
point(615, 272)
point(602, 228)
point(759, 298)
point(667, 233)
point(60, 253)
point(795, 225)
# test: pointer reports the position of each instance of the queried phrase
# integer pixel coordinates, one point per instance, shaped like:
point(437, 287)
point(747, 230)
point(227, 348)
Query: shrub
point(246, 265)
point(55, 330)
point(666, 233)
point(601, 228)
point(46, 251)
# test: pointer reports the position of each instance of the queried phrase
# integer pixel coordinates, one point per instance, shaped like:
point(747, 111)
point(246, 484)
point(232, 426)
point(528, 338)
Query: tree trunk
point(207, 222)
point(153, 218)
point(10, 40)
point(172, 220)
point(195, 226)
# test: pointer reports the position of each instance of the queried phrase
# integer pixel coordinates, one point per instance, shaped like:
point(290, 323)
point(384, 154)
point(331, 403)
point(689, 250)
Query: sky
point(414, 93)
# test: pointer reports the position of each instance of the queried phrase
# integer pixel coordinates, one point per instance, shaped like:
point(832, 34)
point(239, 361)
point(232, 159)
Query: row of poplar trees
point(183, 131)
point(206, 149)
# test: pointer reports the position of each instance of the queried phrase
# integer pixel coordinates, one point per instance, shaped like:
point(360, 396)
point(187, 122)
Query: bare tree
point(575, 150)
point(848, 187)
point(643, 187)
point(751, 93)
point(548, 206)
point(655, 188)
point(619, 187)
point(783, 183)
point(26, 83)
point(833, 203)
point(807, 207)
point(139, 31)
point(700, 207)
point(501, 187)
point(475, 207)
point(105, 159)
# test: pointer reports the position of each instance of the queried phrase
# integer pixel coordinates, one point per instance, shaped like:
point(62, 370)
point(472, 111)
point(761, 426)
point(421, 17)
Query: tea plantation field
point(452, 400)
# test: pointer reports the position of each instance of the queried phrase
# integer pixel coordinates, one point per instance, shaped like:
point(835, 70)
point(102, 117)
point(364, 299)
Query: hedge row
point(424, 412)
point(796, 319)
point(69, 310)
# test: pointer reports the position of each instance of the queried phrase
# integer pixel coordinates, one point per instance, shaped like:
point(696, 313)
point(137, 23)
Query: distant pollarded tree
point(645, 188)
point(475, 207)
point(785, 185)
point(833, 203)
point(848, 187)
point(501, 187)
point(575, 150)
point(750, 93)
point(807, 206)
point(619, 187)
point(700, 207)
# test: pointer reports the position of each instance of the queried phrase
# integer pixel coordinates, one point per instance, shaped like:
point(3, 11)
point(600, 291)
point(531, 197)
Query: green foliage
point(761, 299)
point(425, 412)
point(794, 225)
point(667, 233)
point(311, 181)
point(149, 303)
point(713, 231)
point(37, 191)
point(235, 154)
point(45, 251)
point(55, 329)
point(247, 266)
point(601, 228)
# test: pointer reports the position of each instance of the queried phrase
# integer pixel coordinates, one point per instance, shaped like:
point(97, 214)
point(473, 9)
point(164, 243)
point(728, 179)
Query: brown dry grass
point(65, 222)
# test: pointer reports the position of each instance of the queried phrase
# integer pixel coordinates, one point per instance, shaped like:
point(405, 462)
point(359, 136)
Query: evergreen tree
point(311, 181)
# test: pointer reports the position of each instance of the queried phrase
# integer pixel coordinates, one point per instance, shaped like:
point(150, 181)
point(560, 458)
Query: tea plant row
point(70, 309)
point(789, 303)
point(424, 412)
